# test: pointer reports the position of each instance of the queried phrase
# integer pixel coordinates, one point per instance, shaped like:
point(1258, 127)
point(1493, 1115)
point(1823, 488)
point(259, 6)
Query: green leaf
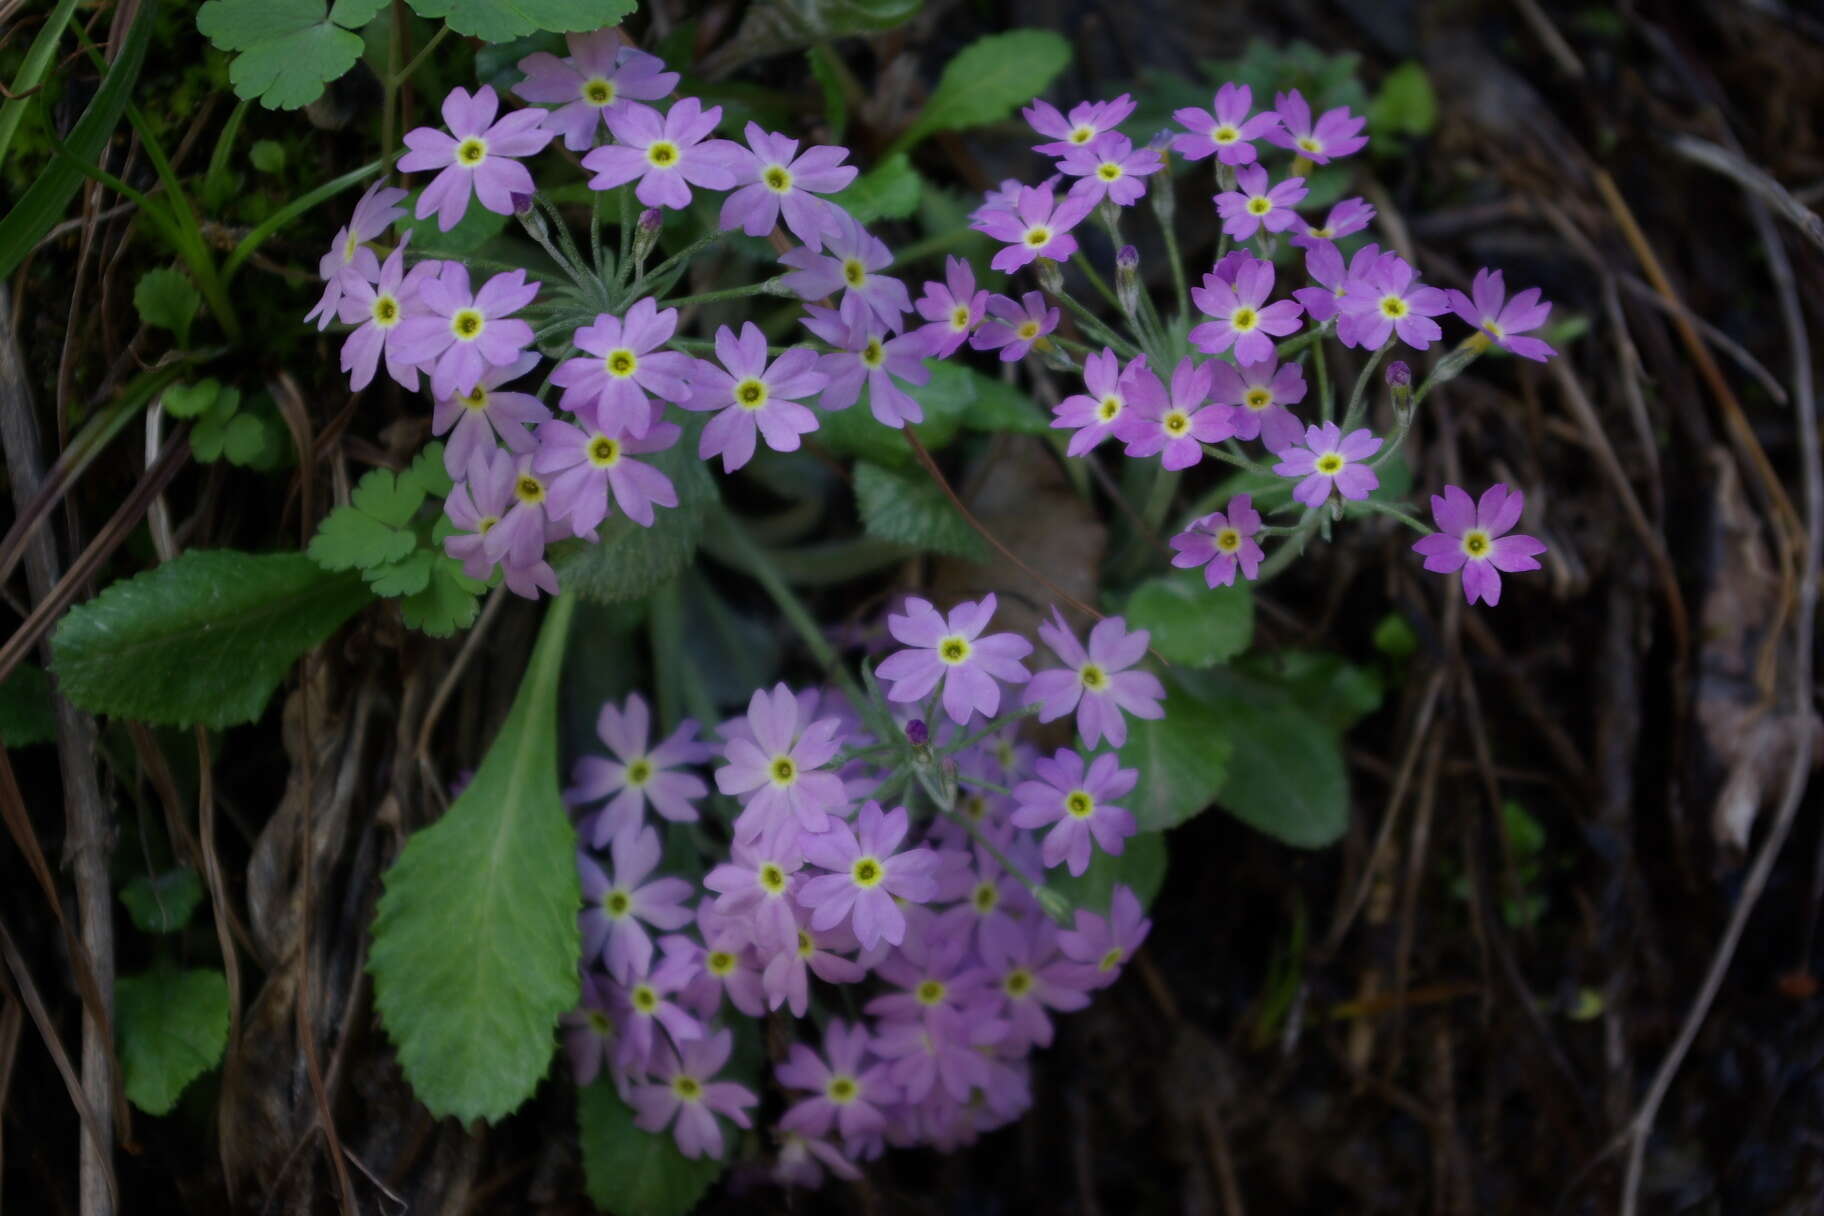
point(476, 228)
point(447, 603)
point(165, 298)
point(253, 439)
point(628, 560)
point(1183, 760)
point(204, 638)
point(171, 1027)
point(1286, 777)
point(1405, 104)
point(500, 20)
point(999, 408)
point(1394, 638)
point(1327, 686)
point(190, 400)
point(267, 155)
point(209, 437)
point(629, 1172)
point(1191, 622)
point(44, 201)
point(288, 50)
point(987, 80)
point(26, 713)
point(909, 509)
point(408, 576)
point(1140, 865)
point(829, 78)
point(374, 528)
point(165, 902)
point(888, 191)
point(428, 472)
point(475, 942)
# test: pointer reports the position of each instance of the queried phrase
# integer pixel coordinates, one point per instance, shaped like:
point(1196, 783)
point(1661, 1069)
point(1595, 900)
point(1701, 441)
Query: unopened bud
point(646, 234)
point(522, 203)
point(1108, 214)
point(1051, 278)
point(917, 733)
point(1127, 279)
point(1399, 379)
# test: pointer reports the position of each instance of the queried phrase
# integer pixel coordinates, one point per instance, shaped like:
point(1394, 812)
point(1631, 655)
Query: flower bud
point(1108, 214)
point(646, 234)
point(1051, 278)
point(1127, 279)
point(522, 203)
point(1399, 379)
point(917, 733)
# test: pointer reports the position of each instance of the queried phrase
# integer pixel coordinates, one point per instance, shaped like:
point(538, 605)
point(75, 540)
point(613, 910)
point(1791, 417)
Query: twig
point(1754, 179)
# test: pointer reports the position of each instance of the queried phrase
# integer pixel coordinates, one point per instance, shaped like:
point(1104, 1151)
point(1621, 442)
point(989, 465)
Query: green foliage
point(475, 941)
point(987, 80)
point(1183, 760)
point(287, 51)
point(1394, 638)
point(1286, 776)
point(192, 400)
point(374, 529)
point(252, 437)
point(162, 903)
point(171, 1027)
point(500, 20)
point(476, 228)
point(888, 191)
point(204, 638)
point(447, 601)
point(629, 1172)
point(1404, 106)
point(164, 298)
point(1140, 865)
point(26, 713)
point(828, 72)
point(1327, 686)
point(954, 398)
point(268, 156)
point(1191, 622)
point(909, 509)
point(628, 561)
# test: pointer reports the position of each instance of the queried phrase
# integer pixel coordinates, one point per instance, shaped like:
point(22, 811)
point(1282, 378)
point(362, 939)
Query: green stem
point(764, 287)
point(1095, 280)
point(1094, 327)
point(1353, 415)
point(395, 79)
point(990, 786)
point(1240, 462)
point(1296, 541)
point(291, 211)
point(1382, 508)
point(1172, 257)
point(1326, 399)
point(624, 269)
point(1025, 711)
point(684, 255)
point(1037, 888)
point(595, 234)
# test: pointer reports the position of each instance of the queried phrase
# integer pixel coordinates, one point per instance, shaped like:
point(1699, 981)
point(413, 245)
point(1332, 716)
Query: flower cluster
point(833, 876)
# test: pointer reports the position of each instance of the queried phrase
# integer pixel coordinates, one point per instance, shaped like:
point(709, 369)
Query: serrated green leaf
point(267, 155)
point(628, 560)
point(204, 638)
point(165, 298)
point(629, 1172)
point(427, 471)
point(1183, 760)
point(190, 400)
point(888, 191)
point(499, 20)
point(475, 942)
point(1191, 622)
point(26, 713)
point(1140, 865)
point(908, 509)
point(987, 80)
point(408, 576)
point(374, 528)
point(288, 50)
point(447, 603)
point(171, 1027)
point(162, 903)
point(1286, 777)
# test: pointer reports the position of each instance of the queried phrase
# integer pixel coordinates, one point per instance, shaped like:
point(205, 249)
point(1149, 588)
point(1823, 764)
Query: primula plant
point(889, 864)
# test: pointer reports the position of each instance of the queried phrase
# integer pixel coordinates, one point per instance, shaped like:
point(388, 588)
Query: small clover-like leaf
point(408, 576)
point(288, 50)
point(165, 298)
point(374, 529)
point(172, 1026)
point(190, 400)
point(448, 602)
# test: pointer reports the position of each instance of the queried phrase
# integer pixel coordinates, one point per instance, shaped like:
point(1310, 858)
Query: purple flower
point(1386, 301)
point(610, 389)
point(650, 999)
point(750, 397)
point(1016, 327)
point(499, 514)
point(850, 259)
point(787, 980)
point(776, 769)
point(1502, 323)
point(1072, 797)
point(954, 308)
point(1324, 263)
point(1109, 166)
point(1331, 136)
point(589, 1033)
point(1242, 317)
point(1095, 414)
point(1256, 390)
point(475, 154)
point(1345, 219)
point(946, 1046)
point(774, 180)
point(864, 354)
point(802, 1162)
point(460, 333)
point(686, 1092)
point(1256, 205)
point(846, 1092)
point(1474, 538)
point(1036, 227)
point(1326, 458)
point(586, 464)
point(349, 260)
point(1229, 132)
point(1104, 945)
point(601, 78)
point(611, 926)
point(1096, 682)
point(932, 972)
point(1220, 543)
point(866, 876)
point(638, 774)
point(756, 884)
point(954, 653)
point(1030, 977)
point(668, 155)
point(1087, 120)
point(725, 966)
point(378, 311)
point(1174, 427)
point(474, 418)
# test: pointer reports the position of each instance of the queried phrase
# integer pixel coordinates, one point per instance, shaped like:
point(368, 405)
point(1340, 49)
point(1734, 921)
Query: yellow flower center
point(688, 1089)
point(1112, 959)
point(662, 154)
point(975, 806)
point(750, 394)
point(953, 649)
point(616, 903)
point(959, 317)
point(1027, 331)
point(467, 324)
point(386, 310)
point(853, 272)
point(1477, 543)
point(1225, 134)
point(1110, 409)
point(640, 771)
point(1312, 145)
point(471, 151)
point(1331, 463)
point(1243, 319)
point(867, 872)
point(349, 247)
point(1080, 804)
point(1018, 983)
point(772, 877)
point(784, 770)
point(621, 363)
point(598, 91)
point(1325, 233)
point(476, 398)
point(485, 523)
point(1493, 327)
point(1083, 134)
point(986, 898)
point(1093, 677)
point(1108, 171)
point(1257, 399)
point(931, 992)
point(643, 998)
point(1176, 423)
point(1038, 237)
point(1260, 204)
point(529, 490)
point(1393, 307)
point(605, 453)
point(806, 946)
point(778, 178)
point(1228, 540)
point(721, 962)
point(873, 354)
point(842, 1089)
